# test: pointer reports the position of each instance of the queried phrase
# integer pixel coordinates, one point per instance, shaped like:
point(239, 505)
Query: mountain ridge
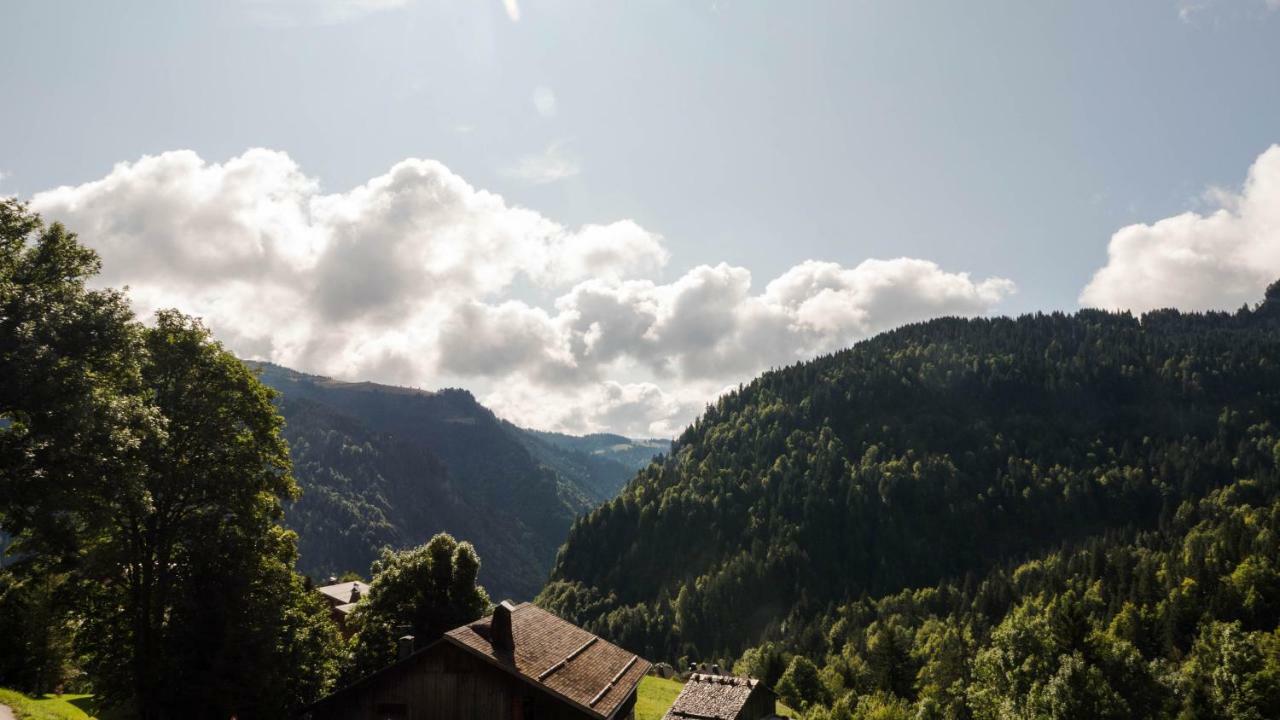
point(938, 450)
point(382, 465)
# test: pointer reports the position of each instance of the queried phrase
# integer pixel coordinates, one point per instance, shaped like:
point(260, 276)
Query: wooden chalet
point(342, 599)
point(723, 697)
point(521, 663)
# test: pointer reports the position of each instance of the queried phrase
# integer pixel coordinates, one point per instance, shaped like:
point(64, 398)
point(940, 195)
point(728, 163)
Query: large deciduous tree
point(71, 406)
point(72, 417)
point(146, 466)
point(423, 591)
point(202, 608)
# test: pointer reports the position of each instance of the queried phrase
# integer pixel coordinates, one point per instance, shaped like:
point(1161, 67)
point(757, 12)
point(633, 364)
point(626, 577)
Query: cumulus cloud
point(708, 325)
point(416, 277)
point(1219, 260)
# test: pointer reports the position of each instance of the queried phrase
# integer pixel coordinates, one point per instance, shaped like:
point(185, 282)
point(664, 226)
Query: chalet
point(342, 599)
point(521, 663)
point(723, 697)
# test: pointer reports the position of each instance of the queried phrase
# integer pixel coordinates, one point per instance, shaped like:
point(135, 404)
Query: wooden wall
point(760, 704)
point(446, 683)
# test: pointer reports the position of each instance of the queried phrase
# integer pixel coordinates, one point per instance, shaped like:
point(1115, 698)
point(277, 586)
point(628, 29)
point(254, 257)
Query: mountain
point(939, 455)
point(600, 463)
point(381, 465)
point(628, 451)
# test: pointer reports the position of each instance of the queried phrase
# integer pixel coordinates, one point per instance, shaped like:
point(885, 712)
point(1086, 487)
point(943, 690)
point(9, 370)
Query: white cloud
point(1219, 260)
point(545, 167)
point(416, 277)
point(321, 12)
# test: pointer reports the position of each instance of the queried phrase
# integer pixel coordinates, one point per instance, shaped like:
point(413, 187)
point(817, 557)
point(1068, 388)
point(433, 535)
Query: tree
point(1077, 690)
point(200, 606)
point(70, 405)
point(766, 663)
point(72, 415)
point(1233, 674)
point(35, 628)
point(423, 591)
point(881, 706)
point(1020, 657)
point(889, 658)
point(800, 685)
point(141, 476)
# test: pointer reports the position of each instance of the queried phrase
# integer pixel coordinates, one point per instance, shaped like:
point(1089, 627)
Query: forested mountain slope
point(936, 453)
point(381, 465)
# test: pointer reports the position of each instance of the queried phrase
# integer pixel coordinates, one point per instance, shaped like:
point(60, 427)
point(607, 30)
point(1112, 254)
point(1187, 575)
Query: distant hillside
point(933, 453)
point(628, 451)
point(382, 465)
point(601, 463)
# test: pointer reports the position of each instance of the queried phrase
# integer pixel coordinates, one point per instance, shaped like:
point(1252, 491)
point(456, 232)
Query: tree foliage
point(423, 592)
point(143, 472)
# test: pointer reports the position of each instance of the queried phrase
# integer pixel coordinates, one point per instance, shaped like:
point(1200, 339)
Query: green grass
point(49, 707)
point(656, 695)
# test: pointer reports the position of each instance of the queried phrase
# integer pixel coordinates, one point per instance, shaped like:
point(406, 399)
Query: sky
point(600, 215)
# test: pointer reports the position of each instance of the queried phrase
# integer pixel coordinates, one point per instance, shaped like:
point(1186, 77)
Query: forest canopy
point(908, 514)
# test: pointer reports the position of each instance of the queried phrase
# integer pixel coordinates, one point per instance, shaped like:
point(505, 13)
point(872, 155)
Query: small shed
point(521, 663)
point(723, 697)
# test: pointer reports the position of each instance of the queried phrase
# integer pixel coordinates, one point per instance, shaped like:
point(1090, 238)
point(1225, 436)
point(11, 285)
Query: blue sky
point(1011, 141)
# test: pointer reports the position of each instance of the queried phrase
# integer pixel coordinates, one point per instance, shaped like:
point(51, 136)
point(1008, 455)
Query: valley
point(386, 466)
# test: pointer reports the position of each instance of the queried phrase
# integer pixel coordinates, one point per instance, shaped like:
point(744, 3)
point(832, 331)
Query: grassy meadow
point(49, 707)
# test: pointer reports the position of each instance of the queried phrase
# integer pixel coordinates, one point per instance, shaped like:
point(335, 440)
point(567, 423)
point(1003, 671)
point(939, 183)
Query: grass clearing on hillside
point(49, 707)
point(655, 696)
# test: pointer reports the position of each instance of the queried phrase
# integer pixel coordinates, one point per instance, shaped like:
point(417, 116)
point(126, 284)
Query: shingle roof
point(559, 656)
point(711, 697)
point(340, 593)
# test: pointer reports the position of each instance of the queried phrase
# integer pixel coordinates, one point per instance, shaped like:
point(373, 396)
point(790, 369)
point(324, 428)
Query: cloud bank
point(1216, 261)
point(416, 277)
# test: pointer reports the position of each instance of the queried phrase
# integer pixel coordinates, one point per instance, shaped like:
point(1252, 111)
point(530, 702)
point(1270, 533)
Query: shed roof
point(569, 662)
point(341, 593)
point(711, 697)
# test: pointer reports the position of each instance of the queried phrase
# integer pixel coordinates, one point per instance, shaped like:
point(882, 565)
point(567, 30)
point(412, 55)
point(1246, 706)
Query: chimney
point(404, 647)
point(500, 627)
point(355, 592)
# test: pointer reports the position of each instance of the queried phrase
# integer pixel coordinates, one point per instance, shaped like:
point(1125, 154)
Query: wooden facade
point(445, 682)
